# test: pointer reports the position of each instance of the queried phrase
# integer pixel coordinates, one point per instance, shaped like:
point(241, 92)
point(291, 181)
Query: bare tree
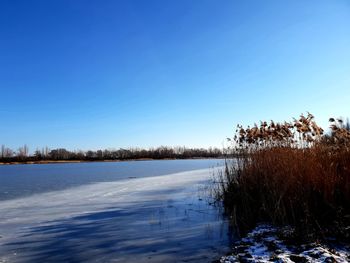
point(2, 151)
point(8, 153)
point(23, 151)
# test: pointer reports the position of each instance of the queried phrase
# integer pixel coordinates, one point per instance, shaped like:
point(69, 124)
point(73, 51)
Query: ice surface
point(154, 219)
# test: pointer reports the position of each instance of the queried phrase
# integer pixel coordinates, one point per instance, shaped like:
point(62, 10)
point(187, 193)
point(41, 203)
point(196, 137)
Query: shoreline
point(102, 161)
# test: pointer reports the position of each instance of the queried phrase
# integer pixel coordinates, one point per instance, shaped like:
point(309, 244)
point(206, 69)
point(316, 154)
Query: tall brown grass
point(290, 174)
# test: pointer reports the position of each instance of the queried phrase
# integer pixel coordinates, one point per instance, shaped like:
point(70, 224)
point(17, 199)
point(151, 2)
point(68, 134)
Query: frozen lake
point(147, 211)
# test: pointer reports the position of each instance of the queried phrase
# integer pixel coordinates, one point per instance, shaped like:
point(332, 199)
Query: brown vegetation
point(290, 174)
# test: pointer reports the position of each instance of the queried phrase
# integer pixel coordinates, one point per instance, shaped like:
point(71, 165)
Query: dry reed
point(290, 174)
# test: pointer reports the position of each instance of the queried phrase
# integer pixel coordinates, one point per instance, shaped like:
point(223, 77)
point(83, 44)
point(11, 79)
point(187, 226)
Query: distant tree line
point(60, 154)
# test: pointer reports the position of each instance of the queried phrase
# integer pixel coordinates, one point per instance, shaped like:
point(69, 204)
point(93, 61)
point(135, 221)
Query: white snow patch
point(255, 248)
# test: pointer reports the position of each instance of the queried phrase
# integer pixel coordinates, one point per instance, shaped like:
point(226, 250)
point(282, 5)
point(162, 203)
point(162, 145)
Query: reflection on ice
point(153, 219)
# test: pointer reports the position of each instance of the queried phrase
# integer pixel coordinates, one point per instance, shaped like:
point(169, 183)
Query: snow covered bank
point(263, 245)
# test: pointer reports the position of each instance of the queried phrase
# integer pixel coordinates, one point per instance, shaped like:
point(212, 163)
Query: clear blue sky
point(96, 74)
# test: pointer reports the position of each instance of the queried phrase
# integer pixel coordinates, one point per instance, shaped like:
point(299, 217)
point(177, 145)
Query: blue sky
point(98, 74)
